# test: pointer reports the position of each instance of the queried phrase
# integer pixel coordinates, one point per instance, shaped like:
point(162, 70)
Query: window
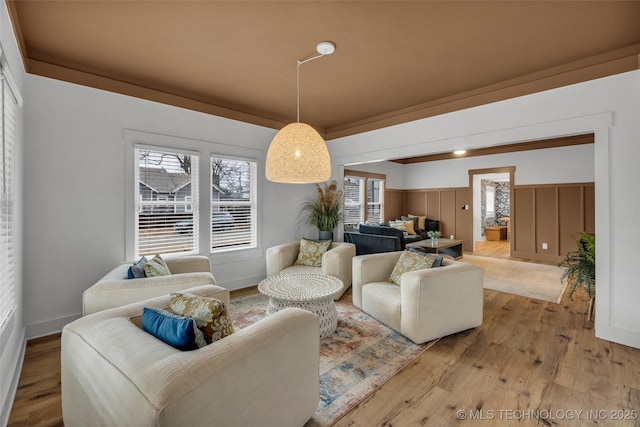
point(363, 198)
point(233, 204)
point(7, 203)
point(167, 217)
point(375, 199)
point(353, 206)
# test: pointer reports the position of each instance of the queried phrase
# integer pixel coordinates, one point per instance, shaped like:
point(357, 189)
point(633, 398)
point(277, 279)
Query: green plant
point(324, 210)
point(581, 265)
point(434, 234)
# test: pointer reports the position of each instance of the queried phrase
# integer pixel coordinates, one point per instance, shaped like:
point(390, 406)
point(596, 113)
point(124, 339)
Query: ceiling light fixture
point(298, 154)
point(459, 152)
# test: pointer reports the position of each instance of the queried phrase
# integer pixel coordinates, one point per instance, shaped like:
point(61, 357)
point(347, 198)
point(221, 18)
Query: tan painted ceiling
point(395, 61)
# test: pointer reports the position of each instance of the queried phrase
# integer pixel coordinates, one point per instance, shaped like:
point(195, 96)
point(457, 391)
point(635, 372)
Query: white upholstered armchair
point(335, 262)
point(115, 290)
point(116, 374)
point(428, 304)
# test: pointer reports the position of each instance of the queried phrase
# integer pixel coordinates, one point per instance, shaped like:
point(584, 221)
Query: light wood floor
point(527, 355)
point(500, 249)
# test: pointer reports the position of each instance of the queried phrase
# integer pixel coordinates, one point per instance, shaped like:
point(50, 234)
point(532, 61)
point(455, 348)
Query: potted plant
point(324, 210)
point(581, 268)
point(434, 236)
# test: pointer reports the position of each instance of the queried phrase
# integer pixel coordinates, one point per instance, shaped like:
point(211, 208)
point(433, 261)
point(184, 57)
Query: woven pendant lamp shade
point(298, 155)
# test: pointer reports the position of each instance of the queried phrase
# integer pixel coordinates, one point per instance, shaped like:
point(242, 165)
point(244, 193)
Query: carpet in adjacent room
point(360, 356)
point(539, 281)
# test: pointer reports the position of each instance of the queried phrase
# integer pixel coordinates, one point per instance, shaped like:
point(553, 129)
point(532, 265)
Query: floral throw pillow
point(210, 314)
point(156, 267)
point(311, 252)
point(409, 261)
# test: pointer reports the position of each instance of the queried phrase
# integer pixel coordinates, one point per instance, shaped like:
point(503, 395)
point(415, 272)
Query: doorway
point(492, 211)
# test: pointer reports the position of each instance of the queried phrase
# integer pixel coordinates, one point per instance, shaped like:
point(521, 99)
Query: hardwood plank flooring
point(531, 363)
point(500, 249)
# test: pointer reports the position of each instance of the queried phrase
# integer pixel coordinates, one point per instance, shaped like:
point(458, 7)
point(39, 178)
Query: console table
point(451, 247)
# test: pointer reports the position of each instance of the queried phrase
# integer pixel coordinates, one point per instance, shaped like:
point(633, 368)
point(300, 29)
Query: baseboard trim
point(7, 405)
point(48, 327)
point(245, 282)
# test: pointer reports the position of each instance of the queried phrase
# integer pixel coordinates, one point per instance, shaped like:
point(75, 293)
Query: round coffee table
point(311, 292)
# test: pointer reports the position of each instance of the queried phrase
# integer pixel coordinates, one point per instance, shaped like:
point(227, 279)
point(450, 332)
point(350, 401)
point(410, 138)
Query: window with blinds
point(353, 206)
point(233, 204)
point(166, 211)
point(375, 199)
point(363, 201)
point(7, 202)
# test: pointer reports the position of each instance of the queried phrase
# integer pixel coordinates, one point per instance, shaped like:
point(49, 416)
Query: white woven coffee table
point(311, 292)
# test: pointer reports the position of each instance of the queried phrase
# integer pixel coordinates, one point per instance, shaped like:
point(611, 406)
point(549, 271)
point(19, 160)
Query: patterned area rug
point(360, 356)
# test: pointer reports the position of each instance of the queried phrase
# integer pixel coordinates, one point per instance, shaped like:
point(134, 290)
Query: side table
point(311, 292)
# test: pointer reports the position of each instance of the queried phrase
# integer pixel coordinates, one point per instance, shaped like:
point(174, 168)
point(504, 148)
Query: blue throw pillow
point(136, 271)
point(177, 331)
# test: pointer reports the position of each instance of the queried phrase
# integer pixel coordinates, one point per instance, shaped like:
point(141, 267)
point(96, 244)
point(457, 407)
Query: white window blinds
point(233, 204)
point(166, 214)
point(353, 202)
point(7, 202)
point(375, 199)
point(363, 201)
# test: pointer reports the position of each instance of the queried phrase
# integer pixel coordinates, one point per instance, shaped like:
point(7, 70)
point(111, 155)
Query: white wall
point(609, 107)
point(549, 166)
point(75, 192)
point(12, 354)
point(395, 172)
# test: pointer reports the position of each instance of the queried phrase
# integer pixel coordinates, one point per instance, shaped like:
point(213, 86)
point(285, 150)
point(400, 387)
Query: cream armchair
point(115, 374)
point(115, 290)
point(335, 262)
point(428, 304)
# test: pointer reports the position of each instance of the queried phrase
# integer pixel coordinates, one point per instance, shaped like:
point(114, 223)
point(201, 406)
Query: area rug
point(539, 281)
point(360, 356)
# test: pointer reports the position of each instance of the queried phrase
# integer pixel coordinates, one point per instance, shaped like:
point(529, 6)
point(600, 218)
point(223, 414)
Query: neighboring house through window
point(187, 199)
point(166, 218)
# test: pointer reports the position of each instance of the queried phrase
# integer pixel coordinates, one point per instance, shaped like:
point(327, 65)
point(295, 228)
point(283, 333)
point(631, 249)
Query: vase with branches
point(581, 268)
point(324, 210)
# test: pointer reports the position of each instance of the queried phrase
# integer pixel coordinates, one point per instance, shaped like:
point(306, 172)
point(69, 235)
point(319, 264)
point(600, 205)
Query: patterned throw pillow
point(156, 267)
point(409, 261)
point(210, 314)
point(311, 252)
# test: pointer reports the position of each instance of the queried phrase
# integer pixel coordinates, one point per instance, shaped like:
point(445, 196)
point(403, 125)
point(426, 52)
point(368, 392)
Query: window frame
point(11, 101)
point(252, 203)
point(163, 200)
point(205, 150)
point(363, 201)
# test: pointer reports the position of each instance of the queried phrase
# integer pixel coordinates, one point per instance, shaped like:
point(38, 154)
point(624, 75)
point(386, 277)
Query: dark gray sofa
point(371, 239)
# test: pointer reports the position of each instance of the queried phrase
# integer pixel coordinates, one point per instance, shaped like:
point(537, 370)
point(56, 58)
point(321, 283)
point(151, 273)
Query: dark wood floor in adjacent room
point(527, 355)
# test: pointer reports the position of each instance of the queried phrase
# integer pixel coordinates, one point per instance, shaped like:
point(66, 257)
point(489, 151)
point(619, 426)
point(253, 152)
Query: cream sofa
point(335, 262)
point(115, 290)
point(115, 374)
point(428, 304)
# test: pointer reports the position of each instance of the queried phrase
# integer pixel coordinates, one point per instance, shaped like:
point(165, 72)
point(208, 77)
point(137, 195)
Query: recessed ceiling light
point(459, 152)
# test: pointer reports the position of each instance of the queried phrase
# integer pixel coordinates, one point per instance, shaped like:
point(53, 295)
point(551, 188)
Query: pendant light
point(298, 154)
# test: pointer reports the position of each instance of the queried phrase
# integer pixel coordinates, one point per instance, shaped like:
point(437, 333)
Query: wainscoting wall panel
point(551, 214)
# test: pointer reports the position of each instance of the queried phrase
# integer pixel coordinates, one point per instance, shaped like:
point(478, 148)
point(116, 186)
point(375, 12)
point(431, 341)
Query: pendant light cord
point(299, 63)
